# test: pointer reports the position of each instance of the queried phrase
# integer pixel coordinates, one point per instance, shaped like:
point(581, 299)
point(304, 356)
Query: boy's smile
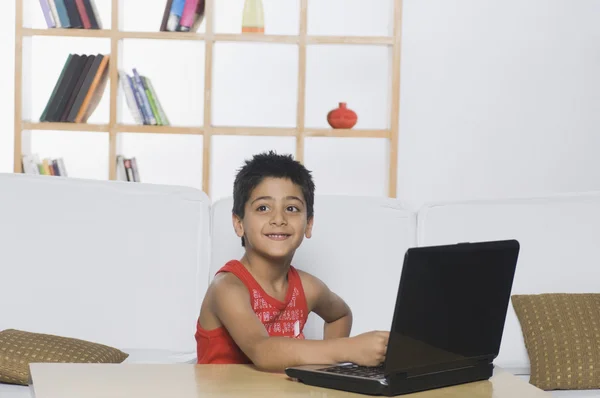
point(275, 219)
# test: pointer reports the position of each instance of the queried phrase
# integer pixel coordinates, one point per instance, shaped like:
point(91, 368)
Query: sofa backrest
point(559, 247)
point(357, 249)
point(110, 262)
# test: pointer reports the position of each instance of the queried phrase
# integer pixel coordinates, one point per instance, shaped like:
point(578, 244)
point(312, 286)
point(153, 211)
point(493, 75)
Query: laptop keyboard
point(356, 370)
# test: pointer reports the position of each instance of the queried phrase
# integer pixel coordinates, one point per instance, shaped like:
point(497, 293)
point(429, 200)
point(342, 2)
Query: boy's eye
point(262, 208)
point(293, 208)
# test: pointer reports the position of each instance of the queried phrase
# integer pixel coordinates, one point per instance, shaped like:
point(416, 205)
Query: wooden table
point(190, 381)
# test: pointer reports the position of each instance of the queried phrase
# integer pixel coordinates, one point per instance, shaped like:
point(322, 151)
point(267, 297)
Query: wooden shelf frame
point(300, 132)
point(218, 37)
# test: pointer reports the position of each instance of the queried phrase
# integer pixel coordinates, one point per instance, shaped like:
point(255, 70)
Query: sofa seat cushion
point(562, 338)
point(14, 391)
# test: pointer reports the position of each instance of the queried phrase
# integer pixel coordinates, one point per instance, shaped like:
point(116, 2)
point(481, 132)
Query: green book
point(152, 101)
point(60, 78)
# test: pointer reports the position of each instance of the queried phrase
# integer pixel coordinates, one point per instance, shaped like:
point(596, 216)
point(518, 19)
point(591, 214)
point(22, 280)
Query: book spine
point(134, 168)
point(61, 9)
point(89, 10)
point(61, 167)
point(199, 17)
point(54, 11)
point(161, 112)
point(58, 82)
point(85, 19)
point(175, 15)
point(151, 100)
point(121, 171)
point(129, 170)
point(55, 170)
point(94, 92)
point(130, 98)
point(188, 16)
point(140, 86)
point(73, 13)
point(166, 13)
point(96, 14)
point(47, 13)
point(138, 99)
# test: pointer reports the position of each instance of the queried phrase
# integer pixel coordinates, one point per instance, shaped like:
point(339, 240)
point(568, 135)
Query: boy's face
point(275, 219)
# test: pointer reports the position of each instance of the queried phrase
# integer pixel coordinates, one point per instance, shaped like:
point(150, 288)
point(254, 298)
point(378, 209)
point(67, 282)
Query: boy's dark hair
point(271, 164)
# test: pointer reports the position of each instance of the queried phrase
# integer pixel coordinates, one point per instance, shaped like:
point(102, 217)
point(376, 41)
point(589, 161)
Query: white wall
point(7, 49)
point(497, 98)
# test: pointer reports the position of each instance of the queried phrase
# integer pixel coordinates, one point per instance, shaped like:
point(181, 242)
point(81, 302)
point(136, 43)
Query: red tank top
point(285, 318)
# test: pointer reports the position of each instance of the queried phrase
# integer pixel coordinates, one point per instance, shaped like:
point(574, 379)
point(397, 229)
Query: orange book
point(94, 94)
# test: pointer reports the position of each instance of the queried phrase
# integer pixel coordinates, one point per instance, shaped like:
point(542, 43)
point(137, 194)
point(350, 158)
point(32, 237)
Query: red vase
point(342, 117)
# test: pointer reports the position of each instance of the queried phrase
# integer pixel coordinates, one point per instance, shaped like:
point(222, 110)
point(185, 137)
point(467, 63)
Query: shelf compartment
point(338, 171)
point(184, 79)
point(79, 127)
point(229, 152)
point(250, 80)
point(350, 17)
point(338, 74)
point(84, 152)
point(169, 159)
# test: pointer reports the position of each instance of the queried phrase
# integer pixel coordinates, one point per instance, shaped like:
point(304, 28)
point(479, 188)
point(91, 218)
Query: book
point(72, 14)
point(142, 99)
point(78, 89)
point(47, 13)
point(183, 15)
point(48, 166)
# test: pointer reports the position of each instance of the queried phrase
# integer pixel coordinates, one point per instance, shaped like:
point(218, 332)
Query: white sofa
point(128, 264)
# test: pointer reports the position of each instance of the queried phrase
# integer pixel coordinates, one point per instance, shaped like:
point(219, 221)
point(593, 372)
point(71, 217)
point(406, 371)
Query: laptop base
point(396, 384)
point(399, 385)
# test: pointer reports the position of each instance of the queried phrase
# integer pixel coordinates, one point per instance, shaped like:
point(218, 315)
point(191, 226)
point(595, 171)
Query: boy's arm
point(328, 305)
point(231, 304)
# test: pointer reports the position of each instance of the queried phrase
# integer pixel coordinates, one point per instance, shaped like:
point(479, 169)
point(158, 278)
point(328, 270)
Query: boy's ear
point(309, 225)
point(238, 226)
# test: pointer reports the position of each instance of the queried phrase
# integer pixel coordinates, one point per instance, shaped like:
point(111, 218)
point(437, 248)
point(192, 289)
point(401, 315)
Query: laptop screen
point(451, 305)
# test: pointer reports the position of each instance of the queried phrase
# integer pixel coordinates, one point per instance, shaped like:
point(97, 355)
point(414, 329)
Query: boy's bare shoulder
point(314, 288)
point(308, 278)
point(226, 283)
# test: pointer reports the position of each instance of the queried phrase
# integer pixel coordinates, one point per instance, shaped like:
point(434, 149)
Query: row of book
point(51, 167)
point(127, 169)
point(78, 89)
point(75, 14)
point(142, 99)
point(182, 15)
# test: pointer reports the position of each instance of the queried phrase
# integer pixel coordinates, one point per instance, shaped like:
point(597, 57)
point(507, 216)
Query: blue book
point(138, 100)
point(63, 15)
point(140, 86)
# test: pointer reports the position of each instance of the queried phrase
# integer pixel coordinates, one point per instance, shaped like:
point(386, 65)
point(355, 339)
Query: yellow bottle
point(253, 20)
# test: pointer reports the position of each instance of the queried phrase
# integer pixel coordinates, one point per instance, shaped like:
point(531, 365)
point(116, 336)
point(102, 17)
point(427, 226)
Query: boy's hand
point(368, 349)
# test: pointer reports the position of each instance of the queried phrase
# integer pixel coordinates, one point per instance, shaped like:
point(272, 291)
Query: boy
point(255, 309)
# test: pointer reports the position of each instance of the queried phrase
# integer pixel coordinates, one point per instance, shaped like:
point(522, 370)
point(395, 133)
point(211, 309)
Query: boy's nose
point(278, 218)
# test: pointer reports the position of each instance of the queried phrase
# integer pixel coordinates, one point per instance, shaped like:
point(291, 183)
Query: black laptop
point(447, 325)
